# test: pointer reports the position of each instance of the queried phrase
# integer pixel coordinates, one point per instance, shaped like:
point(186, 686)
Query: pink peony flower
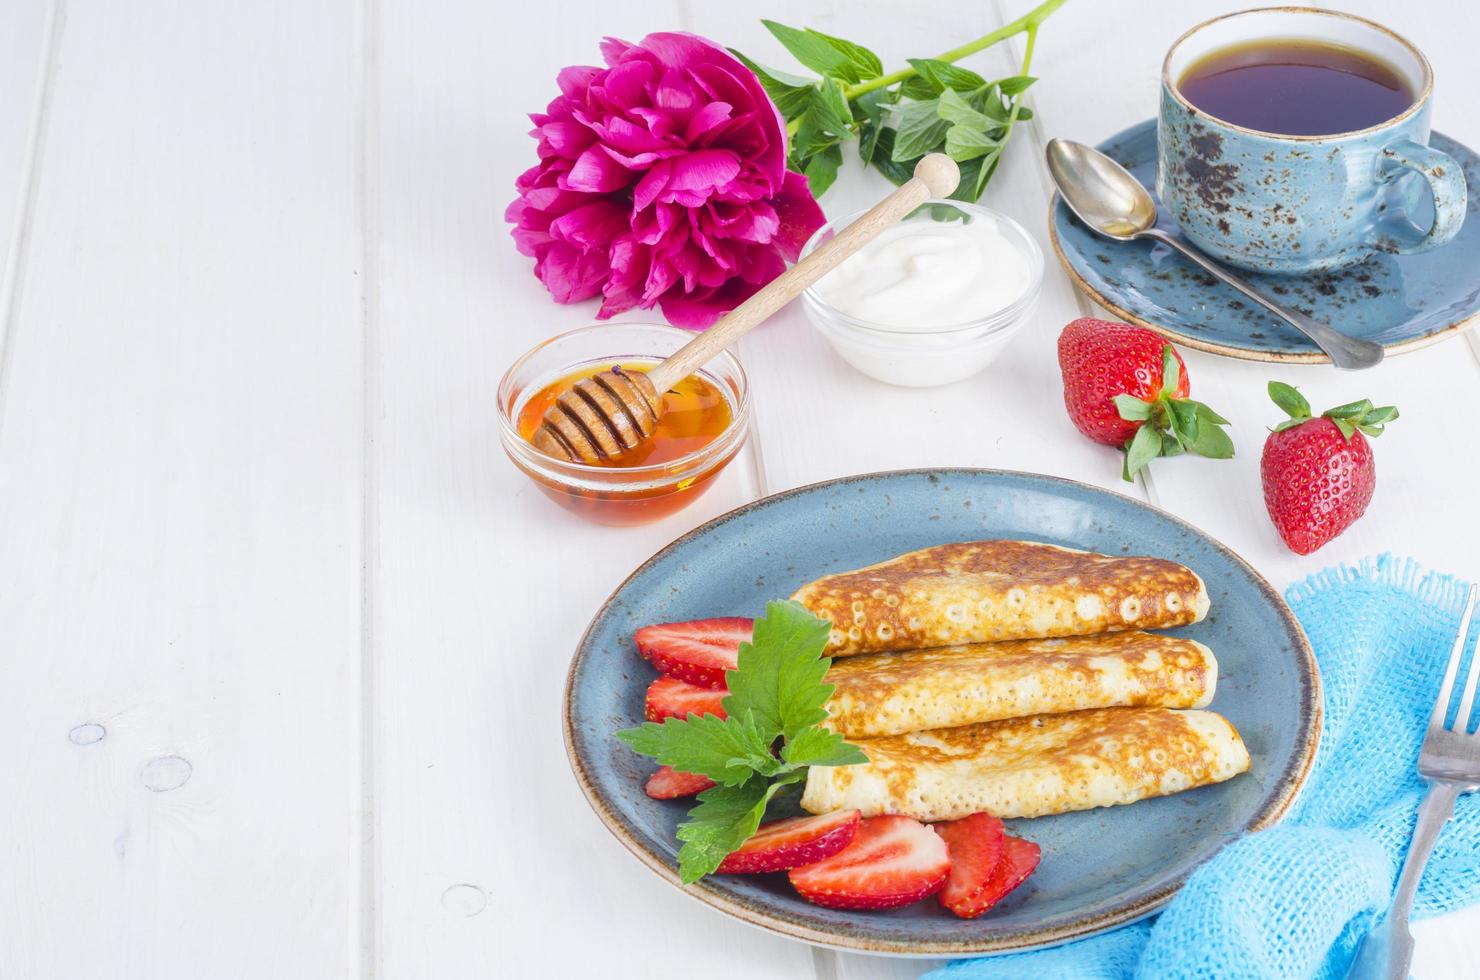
point(662, 179)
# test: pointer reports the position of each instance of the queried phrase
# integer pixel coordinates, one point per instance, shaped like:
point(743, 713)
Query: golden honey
point(696, 412)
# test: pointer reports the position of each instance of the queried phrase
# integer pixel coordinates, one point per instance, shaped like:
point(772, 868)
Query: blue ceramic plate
point(1100, 868)
point(1400, 301)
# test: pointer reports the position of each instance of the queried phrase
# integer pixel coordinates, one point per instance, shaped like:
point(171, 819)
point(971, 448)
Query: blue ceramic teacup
point(1295, 204)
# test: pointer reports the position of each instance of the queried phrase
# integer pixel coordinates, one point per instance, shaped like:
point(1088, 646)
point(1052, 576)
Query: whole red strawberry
point(1318, 473)
point(1125, 386)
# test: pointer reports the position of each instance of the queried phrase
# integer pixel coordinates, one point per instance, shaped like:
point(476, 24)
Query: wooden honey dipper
point(611, 413)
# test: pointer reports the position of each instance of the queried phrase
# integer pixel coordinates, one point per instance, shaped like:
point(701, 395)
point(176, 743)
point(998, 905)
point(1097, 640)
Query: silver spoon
point(1113, 203)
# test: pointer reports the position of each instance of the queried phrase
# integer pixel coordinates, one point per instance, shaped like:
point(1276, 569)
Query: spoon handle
point(1347, 353)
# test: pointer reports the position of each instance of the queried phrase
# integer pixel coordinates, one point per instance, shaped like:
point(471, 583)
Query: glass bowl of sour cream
point(932, 300)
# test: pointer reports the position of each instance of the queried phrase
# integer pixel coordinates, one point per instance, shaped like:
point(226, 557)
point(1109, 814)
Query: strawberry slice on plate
point(699, 651)
point(1019, 859)
point(891, 861)
point(785, 844)
point(975, 844)
point(669, 697)
point(669, 783)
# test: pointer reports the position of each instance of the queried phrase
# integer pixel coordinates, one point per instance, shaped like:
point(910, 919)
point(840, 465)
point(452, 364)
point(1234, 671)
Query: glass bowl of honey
point(704, 423)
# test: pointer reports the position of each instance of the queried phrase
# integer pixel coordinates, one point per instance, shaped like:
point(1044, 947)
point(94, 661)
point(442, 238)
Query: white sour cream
point(925, 275)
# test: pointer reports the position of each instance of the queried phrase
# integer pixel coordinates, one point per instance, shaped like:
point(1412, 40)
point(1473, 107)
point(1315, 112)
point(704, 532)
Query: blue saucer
point(1400, 301)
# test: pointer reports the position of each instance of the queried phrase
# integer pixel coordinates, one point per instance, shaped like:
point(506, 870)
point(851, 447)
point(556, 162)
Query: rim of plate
point(1199, 343)
point(1271, 811)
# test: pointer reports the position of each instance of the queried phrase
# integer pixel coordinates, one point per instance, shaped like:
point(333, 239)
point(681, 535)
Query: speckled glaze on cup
point(1297, 204)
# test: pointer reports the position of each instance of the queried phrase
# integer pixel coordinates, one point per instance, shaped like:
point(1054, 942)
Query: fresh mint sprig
point(932, 105)
point(770, 735)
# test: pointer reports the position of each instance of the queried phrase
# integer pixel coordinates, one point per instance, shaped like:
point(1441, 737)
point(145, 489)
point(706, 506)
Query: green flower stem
point(1028, 22)
point(1017, 102)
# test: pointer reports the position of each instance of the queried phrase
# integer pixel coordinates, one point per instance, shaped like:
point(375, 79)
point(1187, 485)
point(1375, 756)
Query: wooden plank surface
point(179, 504)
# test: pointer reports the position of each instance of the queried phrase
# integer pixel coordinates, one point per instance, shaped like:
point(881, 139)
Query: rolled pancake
point(1031, 767)
point(983, 591)
point(893, 693)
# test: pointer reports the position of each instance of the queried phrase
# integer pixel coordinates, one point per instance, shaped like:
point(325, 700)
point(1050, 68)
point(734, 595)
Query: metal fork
point(1450, 762)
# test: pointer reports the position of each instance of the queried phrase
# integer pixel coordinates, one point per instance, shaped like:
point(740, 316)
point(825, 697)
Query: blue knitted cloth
point(1295, 900)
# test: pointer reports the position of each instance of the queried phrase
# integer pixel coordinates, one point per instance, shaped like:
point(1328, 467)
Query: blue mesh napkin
point(1295, 900)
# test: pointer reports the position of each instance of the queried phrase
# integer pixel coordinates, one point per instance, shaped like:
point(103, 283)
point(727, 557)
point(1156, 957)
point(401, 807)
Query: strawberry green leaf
point(1132, 409)
point(1381, 416)
point(1291, 401)
point(1351, 410)
point(1145, 446)
point(1210, 440)
point(1171, 370)
point(1346, 427)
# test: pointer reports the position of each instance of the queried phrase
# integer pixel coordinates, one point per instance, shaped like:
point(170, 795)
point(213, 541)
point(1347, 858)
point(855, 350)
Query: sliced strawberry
point(891, 861)
point(699, 651)
point(975, 844)
point(1019, 859)
point(671, 697)
point(669, 783)
point(785, 844)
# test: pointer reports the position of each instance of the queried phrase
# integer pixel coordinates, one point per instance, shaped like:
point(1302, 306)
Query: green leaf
point(728, 751)
point(1183, 418)
point(918, 87)
point(780, 671)
point(942, 75)
point(1132, 409)
point(1346, 427)
point(791, 93)
point(1016, 85)
point(830, 110)
point(725, 818)
point(1291, 401)
point(964, 143)
point(1381, 416)
point(822, 169)
point(1024, 113)
point(898, 171)
point(918, 129)
point(864, 61)
point(871, 106)
point(1145, 446)
point(1171, 370)
point(953, 108)
point(1211, 441)
point(817, 746)
point(814, 51)
point(1351, 410)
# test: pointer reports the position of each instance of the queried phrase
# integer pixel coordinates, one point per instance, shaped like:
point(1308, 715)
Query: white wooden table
point(282, 634)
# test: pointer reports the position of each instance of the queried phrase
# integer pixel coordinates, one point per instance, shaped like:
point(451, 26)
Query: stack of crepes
point(1018, 679)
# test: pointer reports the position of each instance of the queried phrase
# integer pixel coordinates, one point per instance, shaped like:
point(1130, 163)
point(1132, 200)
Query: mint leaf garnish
point(780, 671)
point(770, 736)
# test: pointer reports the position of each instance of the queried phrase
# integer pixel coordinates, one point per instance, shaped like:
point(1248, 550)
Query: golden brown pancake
point(1031, 767)
point(892, 693)
point(985, 591)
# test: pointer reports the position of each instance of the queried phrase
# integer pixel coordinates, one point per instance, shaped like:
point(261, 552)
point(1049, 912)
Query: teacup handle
point(1446, 183)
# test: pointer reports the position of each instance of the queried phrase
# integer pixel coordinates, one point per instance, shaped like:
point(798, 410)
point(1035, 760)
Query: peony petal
point(651, 185)
point(613, 49)
point(704, 171)
point(565, 139)
point(799, 215)
point(676, 95)
point(574, 80)
point(571, 274)
point(591, 225)
point(707, 119)
point(596, 172)
point(624, 86)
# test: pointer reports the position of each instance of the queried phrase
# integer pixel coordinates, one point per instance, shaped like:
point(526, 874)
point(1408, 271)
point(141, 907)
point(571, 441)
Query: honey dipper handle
point(936, 175)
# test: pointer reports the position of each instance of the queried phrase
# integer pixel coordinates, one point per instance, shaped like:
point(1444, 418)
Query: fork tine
point(1468, 699)
point(1441, 704)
